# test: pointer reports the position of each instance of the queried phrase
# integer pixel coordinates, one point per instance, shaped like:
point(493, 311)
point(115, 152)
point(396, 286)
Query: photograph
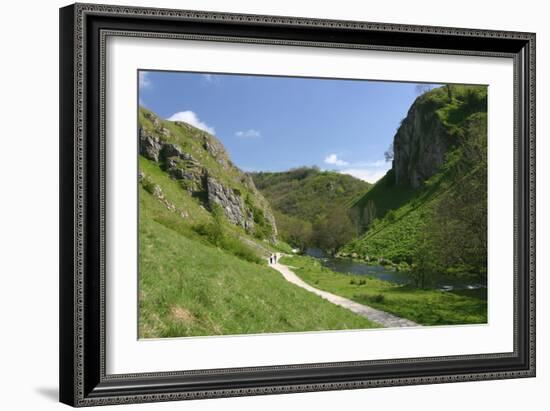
point(284, 201)
point(277, 204)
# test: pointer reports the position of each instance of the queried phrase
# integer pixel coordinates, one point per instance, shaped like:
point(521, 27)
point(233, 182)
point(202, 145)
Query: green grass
point(188, 288)
point(195, 215)
point(386, 195)
point(394, 237)
point(426, 307)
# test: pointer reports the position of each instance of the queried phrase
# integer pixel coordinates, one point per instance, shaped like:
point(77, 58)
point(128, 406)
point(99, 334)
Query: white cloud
point(334, 160)
point(250, 133)
point(369, 171)
point(144, 80)
point(191, 117)
point(379, 163)
point(365, 174)
point(372, 164)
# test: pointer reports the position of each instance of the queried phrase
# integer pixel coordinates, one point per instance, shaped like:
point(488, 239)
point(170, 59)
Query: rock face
point(231, 203)
point(149, 145)
point(419, 146)
point(224, 185)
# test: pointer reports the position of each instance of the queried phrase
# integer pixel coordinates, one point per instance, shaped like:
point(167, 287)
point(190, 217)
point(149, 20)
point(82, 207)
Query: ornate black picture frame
point(83, 30)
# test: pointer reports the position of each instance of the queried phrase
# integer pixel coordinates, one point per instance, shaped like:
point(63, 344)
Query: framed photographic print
point(261, 204)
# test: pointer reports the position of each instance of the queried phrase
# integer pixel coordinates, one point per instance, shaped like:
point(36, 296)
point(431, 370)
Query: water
point(386, 273)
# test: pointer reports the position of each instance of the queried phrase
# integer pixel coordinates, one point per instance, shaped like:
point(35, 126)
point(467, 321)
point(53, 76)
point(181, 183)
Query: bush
point(391, 216)
point(378, 298)
point(148, 185)
point(212, 232)
point(403, 266)
point(240, 250)
point(215, 235)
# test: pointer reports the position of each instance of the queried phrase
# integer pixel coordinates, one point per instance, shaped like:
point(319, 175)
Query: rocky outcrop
point(213, 147)
point(149, 145)
point(420, 145)
point(230, 202)
point(224, 185)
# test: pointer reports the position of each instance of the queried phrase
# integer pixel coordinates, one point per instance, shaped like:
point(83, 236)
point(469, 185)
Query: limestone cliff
point(419, 146)
point(433, 125)
point(201, 165)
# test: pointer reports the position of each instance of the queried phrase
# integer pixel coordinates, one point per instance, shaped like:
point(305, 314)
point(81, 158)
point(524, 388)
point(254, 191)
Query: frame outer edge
point(66, 199)
point(531, 66)
point(72, 192)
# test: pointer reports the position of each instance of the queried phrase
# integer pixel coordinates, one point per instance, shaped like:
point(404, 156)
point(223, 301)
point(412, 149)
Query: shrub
point(148, 185)
point(212, 232)
point(378, 298)
point(391, 216)
point(215, 235)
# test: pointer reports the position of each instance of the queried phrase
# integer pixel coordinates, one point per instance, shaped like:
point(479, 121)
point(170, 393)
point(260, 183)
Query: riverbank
point(395, 273)
point(423, 306)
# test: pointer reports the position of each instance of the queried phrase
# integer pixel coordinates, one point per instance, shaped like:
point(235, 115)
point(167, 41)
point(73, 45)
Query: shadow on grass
point(479, 293)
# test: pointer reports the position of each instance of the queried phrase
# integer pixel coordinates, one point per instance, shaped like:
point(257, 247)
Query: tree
point(294, 231)
point(422, 88)
point(454, 237)
point(333, 231)
point(449, 92)
point(426, 259)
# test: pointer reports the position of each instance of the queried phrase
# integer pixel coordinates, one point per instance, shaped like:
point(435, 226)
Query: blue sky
point(276, 123)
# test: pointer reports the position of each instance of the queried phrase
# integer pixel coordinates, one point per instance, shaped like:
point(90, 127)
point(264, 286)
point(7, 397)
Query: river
point(386, 273)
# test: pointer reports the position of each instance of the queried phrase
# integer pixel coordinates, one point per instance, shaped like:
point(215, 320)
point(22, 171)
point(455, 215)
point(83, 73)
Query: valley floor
point(421, 306)
point(380, 317)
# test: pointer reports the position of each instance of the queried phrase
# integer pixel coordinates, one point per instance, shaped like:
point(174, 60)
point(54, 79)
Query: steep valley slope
point(434, 198)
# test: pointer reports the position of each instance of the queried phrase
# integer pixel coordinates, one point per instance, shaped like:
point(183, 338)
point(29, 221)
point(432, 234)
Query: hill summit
point(312, 207)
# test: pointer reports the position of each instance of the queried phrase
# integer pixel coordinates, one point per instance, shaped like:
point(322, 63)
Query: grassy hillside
point(445, 218)
point(201, 273)
point(305, 198)
point(189, 287)
point(308, 193)
point(404, 210)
